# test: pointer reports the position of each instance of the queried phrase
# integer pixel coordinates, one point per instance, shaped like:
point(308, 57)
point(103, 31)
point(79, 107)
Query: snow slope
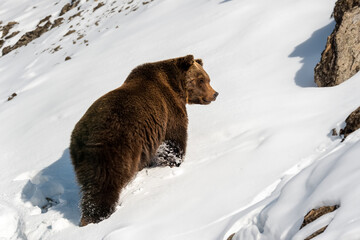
point(259, 158)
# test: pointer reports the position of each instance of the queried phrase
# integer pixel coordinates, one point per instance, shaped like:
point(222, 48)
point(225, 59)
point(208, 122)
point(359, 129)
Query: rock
point(67, 58)
point(75, 15)
point(67, 7)
point(6, 29)
point(352, 123)
point(318, 232)
point(341, 59)
point(343, 6)
point(57, 22)
point(42, 27)
point(56, 49)
point(334, 132)
point(231, 236)
point(313, 215)
point(6, 50)
point(12, 96)
point(69, 32)
point(44, 20)
point(12, 35)
point(98, 6)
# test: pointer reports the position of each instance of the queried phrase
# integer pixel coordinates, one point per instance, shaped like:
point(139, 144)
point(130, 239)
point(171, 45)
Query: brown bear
point(121, 131)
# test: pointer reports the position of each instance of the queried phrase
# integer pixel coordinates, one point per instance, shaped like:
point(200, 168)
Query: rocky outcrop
point(313, 215)
point(69, 6)
point(352, 123)
point(43, 26)
point(343, 6)
point(341, 58)
point(6, 29)
point(5, 32)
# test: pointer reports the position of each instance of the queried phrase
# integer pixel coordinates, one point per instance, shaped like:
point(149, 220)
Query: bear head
point(197, 81)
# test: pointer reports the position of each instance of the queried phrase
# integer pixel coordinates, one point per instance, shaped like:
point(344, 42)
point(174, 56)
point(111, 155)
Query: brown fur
point(121, 132)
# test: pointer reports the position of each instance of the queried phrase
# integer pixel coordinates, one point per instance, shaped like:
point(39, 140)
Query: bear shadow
point(310, 52)
point(55, 189)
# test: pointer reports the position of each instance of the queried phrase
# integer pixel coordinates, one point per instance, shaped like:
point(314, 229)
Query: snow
point(329, 180)
point(258, 159)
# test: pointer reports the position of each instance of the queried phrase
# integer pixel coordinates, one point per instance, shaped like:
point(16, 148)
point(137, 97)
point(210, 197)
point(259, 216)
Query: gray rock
point(341, 58)
point(352, 123)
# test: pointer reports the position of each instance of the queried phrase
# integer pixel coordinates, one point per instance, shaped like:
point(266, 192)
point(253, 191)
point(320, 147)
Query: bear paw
point(168, 154)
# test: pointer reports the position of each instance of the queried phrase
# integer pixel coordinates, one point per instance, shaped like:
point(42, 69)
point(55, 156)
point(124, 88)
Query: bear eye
point(201, 80)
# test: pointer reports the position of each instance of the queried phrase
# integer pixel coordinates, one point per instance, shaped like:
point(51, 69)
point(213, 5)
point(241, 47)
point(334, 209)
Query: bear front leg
point(169, 154)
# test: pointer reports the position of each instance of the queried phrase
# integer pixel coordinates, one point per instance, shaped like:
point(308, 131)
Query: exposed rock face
point(352, 123)
point(341, 58)
point(313, 215)
point(43, 26)
point(69, 6)
point(80, 25)
point(6, 29)
point(343, 6)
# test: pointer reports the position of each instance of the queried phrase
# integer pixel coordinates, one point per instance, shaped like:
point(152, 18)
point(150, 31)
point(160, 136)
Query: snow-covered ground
point(259, 158)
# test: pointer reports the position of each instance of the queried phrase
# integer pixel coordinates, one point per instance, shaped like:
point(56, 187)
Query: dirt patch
point(313, 215)
point(352, 123)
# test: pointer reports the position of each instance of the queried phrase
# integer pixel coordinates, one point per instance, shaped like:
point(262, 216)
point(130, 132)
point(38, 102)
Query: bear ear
point(199, 61)
point(186, 62)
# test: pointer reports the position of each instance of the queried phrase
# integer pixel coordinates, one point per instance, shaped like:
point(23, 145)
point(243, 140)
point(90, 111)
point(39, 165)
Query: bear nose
point(215, 95)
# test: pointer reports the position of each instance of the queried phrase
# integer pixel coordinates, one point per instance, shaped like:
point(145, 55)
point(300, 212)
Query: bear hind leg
point(98, 203)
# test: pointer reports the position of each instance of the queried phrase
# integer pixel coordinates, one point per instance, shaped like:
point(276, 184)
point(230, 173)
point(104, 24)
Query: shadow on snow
point(310, 52)
point(54, 188)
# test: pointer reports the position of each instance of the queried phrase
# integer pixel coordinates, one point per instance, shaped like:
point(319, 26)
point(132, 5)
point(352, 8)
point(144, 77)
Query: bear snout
point(215, 95)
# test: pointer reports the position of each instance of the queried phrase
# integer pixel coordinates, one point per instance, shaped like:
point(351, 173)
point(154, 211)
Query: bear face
point(199, 90)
